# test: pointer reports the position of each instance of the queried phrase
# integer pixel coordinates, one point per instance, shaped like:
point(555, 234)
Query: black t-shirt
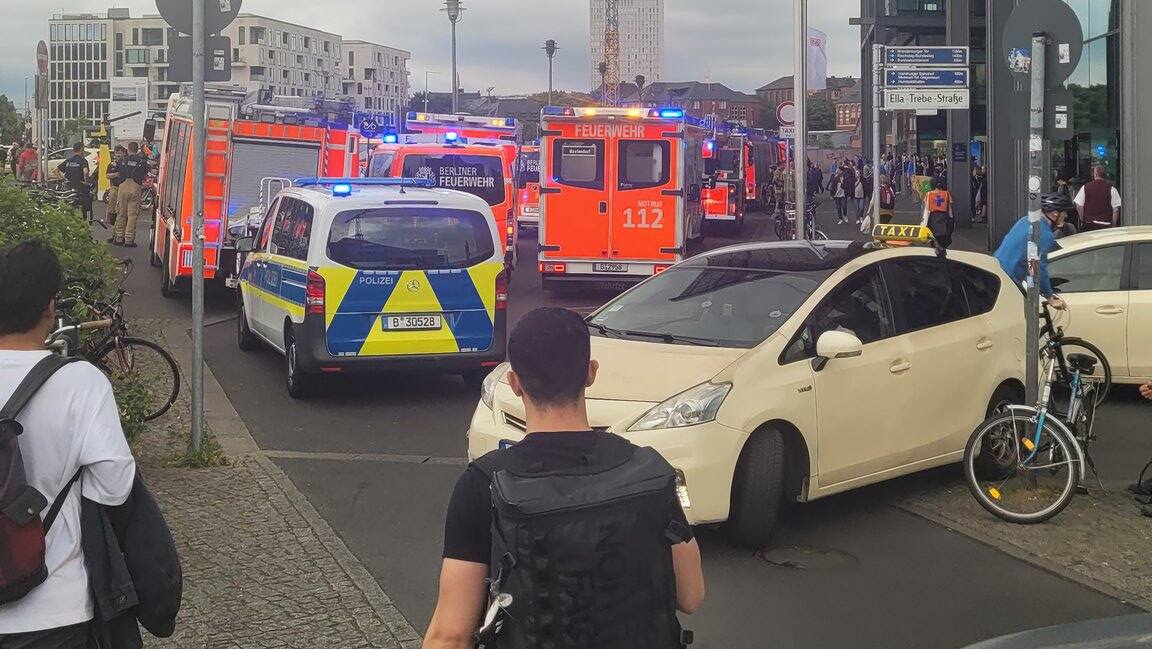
point(75, 169)
point(468, 528)
point(135, 167)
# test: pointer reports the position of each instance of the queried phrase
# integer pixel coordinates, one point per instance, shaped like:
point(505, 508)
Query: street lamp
point(426, 73)
point(550, 50)
point(453, 9)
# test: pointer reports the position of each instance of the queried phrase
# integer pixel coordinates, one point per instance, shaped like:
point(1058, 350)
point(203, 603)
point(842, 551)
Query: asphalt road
point(378, 459)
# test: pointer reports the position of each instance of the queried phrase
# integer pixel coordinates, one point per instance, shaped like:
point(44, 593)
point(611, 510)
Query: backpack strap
point(54, 510)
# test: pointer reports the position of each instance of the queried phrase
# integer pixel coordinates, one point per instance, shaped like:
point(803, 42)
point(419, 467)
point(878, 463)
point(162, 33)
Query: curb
point(232, 434)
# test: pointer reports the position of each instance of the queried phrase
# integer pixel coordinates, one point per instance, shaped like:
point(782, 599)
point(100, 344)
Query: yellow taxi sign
point(890, 232)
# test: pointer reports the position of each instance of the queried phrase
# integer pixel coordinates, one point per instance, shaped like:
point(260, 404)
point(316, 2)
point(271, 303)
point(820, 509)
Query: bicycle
point(785, 225)
point(111, 349)
point(1051, 333)
point(1025, 463)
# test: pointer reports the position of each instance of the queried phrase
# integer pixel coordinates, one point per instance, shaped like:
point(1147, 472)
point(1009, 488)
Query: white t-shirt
point(1079, 200)
point(72, 422)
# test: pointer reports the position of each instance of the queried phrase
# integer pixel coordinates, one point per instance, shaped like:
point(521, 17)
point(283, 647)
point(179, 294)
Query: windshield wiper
point(604, 330)
point(673, 338)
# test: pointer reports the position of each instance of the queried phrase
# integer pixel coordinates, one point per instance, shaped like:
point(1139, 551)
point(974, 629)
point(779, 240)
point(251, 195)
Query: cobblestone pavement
point(1100, 540)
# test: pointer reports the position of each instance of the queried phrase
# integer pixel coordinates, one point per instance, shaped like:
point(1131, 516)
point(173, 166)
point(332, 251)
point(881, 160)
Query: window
point(1090, 271)
point(855, 306)
point(924, 293)
point(137, 56)
point(152, 36)
point(351, 58)
point(980, 287)
point(175, 165)
point(579, 163)
point(643, 163)
point(135, 36)
point(1143, 263)
point(479, 175)
point(293, 230)
point(417, 237)
point(119, 40)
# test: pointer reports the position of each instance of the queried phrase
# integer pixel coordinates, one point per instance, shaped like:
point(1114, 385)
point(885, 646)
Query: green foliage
point(70, 132)
point(134, 397)
point(210, 454)
point(767, 117)
point(11, 124)
point(84, 261)
point(1090, 106)
point(821, 114)
point(437, 102)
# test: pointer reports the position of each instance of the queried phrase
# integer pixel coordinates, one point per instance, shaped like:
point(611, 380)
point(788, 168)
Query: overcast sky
point(741, 43)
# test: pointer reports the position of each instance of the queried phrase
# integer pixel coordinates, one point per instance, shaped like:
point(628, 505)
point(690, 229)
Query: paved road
point(378, 459)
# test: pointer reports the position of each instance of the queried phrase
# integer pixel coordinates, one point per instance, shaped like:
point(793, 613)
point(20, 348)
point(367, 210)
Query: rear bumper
point(720, 217)
point(314, 357)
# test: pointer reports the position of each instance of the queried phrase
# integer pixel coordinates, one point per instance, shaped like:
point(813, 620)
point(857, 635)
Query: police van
point(356, 274)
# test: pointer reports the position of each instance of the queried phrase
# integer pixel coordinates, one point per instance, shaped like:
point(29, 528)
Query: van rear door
point(646, 194)
point(574, 202)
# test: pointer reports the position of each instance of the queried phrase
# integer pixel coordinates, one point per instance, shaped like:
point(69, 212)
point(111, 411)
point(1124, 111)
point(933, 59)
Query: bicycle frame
point(1039, 414)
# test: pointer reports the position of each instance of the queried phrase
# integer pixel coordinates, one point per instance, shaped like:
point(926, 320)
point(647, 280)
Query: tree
point(640, 81)
point(11, 124)
point(767, 117)
point(821, 114)
point(438, 102)
point(71, 131)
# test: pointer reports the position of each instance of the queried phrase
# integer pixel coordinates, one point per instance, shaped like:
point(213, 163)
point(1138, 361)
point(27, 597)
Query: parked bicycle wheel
point(782, 229)
point(146, 362)
point(1102, 377)
point(1016, 476)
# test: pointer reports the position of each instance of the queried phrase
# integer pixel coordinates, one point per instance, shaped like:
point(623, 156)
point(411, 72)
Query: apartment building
point(376, 77)
point(641, 40)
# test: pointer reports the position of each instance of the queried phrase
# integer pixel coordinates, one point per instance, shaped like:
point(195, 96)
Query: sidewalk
point(261, 567)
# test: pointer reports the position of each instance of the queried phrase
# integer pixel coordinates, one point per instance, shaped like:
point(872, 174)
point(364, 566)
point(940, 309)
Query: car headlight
point(488, 387)
point(693, 406)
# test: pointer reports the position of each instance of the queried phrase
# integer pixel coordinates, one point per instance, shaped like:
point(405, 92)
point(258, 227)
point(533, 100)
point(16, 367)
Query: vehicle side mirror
point(693, 193)
point(836, 344)
point(245, 244)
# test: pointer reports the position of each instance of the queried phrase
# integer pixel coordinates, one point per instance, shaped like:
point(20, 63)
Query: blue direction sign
point(927, 78)
point(926, 56)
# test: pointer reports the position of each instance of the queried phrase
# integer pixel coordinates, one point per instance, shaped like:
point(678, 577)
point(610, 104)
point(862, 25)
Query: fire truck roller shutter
point(254, 160)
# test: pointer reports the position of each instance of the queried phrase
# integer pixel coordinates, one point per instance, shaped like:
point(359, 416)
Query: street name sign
point(942, 56)
point(915, 99)
point(927, 78)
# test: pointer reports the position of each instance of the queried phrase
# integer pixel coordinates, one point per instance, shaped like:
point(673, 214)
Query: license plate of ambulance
point(411, 322)
point(609, 267)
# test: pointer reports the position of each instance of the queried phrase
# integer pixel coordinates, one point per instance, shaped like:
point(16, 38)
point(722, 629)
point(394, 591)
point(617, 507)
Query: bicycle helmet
point(1056, 203)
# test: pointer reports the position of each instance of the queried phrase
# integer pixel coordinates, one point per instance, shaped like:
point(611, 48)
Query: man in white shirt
point(1098, 202)
point(71, 423)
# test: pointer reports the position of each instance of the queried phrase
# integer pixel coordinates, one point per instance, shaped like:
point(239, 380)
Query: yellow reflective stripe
point(295, 310)
point(289, 262)
point(484, 279)
point(337, 281)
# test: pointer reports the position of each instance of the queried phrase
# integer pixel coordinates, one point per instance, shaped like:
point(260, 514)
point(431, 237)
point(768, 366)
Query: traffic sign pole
point(1037, 148)
point(877, 77)
point(199, 134)
point(800, 90)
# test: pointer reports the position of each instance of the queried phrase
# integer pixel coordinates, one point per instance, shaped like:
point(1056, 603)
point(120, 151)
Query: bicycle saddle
point(1083, 362)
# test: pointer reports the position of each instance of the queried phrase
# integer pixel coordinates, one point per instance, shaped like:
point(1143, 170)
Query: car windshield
point(398, 238)
point(708, 305)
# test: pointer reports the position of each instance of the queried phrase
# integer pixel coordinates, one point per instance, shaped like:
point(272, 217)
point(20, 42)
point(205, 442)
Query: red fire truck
point(248, 142)
point(619, 193)
point(528, 182)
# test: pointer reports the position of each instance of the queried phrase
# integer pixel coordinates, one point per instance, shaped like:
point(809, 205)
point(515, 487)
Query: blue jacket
point(1013, 253)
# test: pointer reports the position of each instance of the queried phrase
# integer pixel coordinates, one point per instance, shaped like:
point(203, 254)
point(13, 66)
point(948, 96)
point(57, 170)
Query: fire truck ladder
point(612, 52)
point(216, 169)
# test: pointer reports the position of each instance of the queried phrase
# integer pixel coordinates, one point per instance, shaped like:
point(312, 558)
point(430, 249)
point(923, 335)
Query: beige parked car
point(1105, 276)
point(790, 370)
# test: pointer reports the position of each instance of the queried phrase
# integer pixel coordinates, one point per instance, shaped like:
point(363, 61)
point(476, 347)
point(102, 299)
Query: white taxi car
point(1105, 276)
point(794, 370)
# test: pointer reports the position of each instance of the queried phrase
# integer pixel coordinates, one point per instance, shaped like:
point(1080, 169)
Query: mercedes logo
point(414, 286)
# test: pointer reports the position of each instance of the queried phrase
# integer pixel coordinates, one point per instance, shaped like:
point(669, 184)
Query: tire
point(1066, 448)
point(167, 286)
point(988, 465)
point(147, 361)
point(474, 379)
point(153, 259)
point(1104, 370)
point(300, 384)
point(757, 490)
point(245, 339)
point(780, 227)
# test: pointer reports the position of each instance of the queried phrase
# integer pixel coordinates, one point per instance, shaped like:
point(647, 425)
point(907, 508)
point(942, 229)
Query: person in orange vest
point(938, 212)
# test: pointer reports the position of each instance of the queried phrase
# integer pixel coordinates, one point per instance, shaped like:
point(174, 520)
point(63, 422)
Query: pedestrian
point(550, 584)
point(72, 444)
point(819, 178)
point(112, 198)
point(910, 173)
point(869, 180)
point(858, 196)
point(14, 159)
point(886, 194)
point(839, 196)
point(1013, 251)
point(980, 194)
point(76, 171)
point(937, 213)
point(29, 165)
point(132, 170)
point(811, 181)
point(1098, 202)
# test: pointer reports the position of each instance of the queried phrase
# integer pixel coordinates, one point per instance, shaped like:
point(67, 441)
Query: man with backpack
point(573, 538)
point(60, 438)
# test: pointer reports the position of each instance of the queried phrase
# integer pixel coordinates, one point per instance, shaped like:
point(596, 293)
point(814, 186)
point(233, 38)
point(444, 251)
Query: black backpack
point(22, 535)
point(582, 557)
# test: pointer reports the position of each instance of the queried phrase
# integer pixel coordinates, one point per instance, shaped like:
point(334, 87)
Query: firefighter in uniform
point(133, 170)
point(114, 180)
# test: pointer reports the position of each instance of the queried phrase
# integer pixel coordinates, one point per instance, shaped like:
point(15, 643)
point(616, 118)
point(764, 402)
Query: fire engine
point(472, 154)
point(247, 143)
point(620, 193)
point(738, 166)
point(528, 182)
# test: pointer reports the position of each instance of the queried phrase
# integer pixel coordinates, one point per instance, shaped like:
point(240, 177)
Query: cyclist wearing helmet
point(1013, 251)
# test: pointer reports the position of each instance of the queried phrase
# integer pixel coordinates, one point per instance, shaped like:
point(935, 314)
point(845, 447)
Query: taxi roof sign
point(905, 234)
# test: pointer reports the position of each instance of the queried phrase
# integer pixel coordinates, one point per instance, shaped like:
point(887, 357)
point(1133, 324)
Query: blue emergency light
point(342, 189)
point(451, 136)
point(671, 113)
point(343, 186)
point(1101, 151)
point(391, 138)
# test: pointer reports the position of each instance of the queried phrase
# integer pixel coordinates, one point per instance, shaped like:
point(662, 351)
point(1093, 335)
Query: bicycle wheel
point(1035, 478)
point(781, 227)
point(147, 362)
point(1102, 377)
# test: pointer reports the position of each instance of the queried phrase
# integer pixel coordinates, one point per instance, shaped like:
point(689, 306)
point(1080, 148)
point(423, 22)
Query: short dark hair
point(120, 148)
point(940, 183)
point(549, 350)
point(78, 147)
point(30, 275)
point(133, 147)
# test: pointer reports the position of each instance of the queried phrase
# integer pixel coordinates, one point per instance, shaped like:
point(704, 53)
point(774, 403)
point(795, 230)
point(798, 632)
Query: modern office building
point(641, 40)
point(88, 50)
point(1106, 90)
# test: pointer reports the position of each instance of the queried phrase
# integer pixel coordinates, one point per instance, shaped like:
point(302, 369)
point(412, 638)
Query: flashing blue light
point(1101, 151)
point(671, 113)
point(451, 136)
point(342, 189)
point(711, 145)
point(391, 138)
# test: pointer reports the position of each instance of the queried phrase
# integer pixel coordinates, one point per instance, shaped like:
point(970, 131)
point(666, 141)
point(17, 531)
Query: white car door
point(1140, 313)
point(1090, 281)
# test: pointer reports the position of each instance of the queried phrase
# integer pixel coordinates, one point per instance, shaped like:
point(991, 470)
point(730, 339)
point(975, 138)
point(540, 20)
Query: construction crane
point(611, 75)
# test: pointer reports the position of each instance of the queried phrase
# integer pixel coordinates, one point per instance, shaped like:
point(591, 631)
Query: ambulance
point(528, 182)
point(737, 172)
point(248, 142)
point(620, 195)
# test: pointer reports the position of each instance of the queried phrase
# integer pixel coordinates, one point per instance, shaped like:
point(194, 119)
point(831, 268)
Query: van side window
point(579, 163)
point(644, 163)
point(293, 230)
point(267, 227)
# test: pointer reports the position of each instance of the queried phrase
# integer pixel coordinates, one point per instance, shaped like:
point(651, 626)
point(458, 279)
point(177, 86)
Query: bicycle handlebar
point(96, 324)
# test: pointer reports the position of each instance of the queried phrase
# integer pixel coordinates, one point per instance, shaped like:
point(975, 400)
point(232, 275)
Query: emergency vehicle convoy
point(247, 142)
point(738, 165)
point(620, 196)
point(528, 181)
point(476, 155)
point(355, 274)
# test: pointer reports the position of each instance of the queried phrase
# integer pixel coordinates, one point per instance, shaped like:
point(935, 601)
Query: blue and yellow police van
point(356, 274)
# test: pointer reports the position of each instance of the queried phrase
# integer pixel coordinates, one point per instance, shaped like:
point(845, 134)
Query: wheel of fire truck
point(153, 258)
point(167, 286)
